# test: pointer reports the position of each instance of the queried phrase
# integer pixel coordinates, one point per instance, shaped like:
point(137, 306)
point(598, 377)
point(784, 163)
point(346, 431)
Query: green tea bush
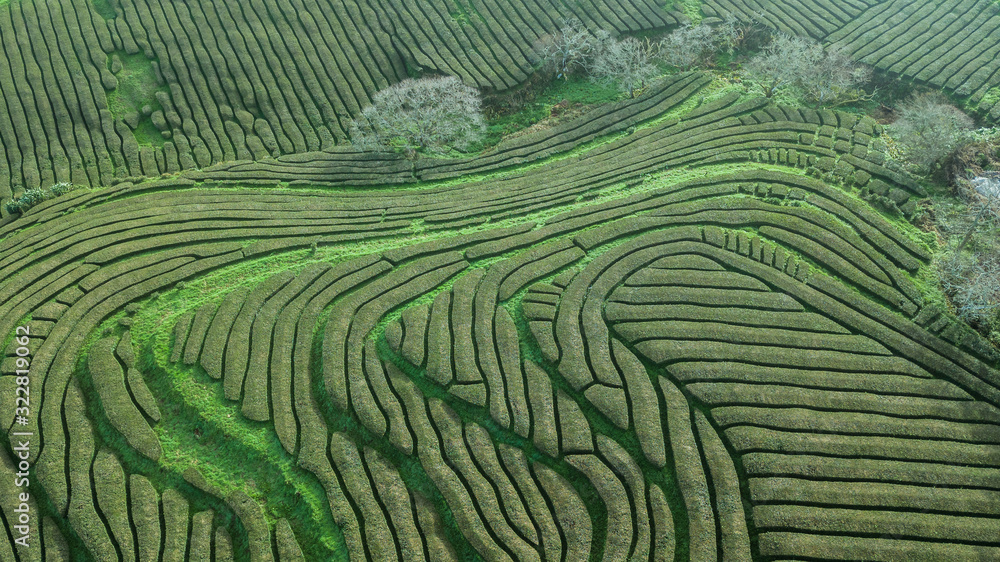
point(27, 200)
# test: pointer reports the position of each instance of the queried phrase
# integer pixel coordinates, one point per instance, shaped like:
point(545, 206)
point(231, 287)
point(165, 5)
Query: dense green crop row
point(590, 357)
point(158, 88)
point(950, 45)
point(574, 417)
point(224, 84)
point(813, 18)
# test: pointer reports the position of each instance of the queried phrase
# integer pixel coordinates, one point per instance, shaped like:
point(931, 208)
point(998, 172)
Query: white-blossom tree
point(627, 62)
point(928, 129)
point(434, 114)
point(824, 76)
point(567, 50)
point(688, 46)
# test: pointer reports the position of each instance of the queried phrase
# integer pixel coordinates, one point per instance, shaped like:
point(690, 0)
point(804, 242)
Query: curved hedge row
point(951, 45)
point(812, 18)
point(146, 88)
point(347, 167)
point(835, 146)
point(571, 362)
point(246, 93)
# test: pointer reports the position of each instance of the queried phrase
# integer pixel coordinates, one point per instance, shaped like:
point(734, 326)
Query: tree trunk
point(972, 229)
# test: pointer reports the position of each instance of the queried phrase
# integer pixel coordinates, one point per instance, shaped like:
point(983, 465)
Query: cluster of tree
point(437, 114)
point(440, 113)
point(824, 76)
point(627, 62)
point(630, 62)
point(928, 132)
point(32, 197)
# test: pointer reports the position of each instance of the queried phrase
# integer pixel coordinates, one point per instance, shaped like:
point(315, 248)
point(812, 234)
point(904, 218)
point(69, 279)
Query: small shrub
point(32, 197)
point(61, 188)
point(27, 200)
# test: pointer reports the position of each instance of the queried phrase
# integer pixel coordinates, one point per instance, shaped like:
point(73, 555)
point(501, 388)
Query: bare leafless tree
point(984, 203)
point(688, 46)
point(748, 33)
point(928, 129)
point(830, 77)
point(973, 284)
point(434, 114)
point(824, 76)
point(778, 64)
point(567, 50)
point(626, 62)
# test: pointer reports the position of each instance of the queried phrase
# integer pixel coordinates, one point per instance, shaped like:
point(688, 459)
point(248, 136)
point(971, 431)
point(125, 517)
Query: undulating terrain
point(666, 329)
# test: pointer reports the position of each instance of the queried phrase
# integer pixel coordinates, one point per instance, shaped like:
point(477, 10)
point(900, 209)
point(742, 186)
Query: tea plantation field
point(669, 328)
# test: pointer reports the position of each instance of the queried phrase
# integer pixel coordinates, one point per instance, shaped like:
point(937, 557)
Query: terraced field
point(666, 330)
point(98, 92)
point(951, 45)
point(671, 328)
point(101, 92)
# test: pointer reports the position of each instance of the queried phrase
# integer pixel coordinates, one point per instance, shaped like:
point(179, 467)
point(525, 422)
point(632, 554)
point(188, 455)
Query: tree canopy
point(434, 114)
